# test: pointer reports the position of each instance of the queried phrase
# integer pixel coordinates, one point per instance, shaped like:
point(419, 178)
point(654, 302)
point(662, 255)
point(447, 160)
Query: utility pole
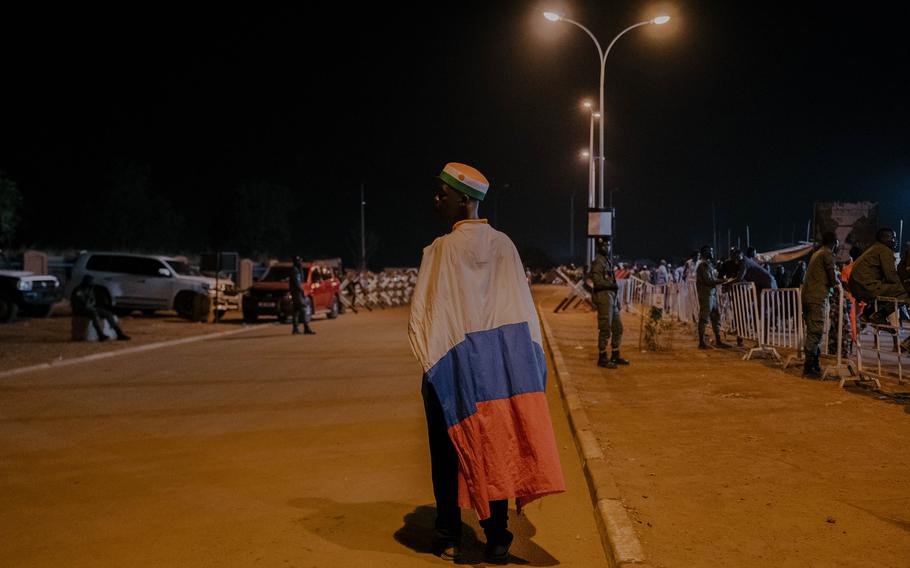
point(572, 227)
point(363, 235)
point(713, 227)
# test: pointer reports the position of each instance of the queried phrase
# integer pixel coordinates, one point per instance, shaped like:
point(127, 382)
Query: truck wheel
point(183, 305)
point(334, 309)
point(8, 310)
point(42, 311)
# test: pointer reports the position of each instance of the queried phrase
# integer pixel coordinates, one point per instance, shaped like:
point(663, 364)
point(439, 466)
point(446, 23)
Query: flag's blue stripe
point(488, 365)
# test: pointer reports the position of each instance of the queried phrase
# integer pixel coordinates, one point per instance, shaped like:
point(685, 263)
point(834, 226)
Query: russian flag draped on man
point(474, 330)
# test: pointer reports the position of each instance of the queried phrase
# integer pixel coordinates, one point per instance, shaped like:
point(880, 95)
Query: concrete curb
point(617, 532)
point(127, 351)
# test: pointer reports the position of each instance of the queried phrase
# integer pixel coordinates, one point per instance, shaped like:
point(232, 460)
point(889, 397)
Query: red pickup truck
point(270, 296)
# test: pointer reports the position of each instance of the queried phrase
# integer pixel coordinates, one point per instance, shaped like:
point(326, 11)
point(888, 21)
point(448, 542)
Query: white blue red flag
point(474, 330)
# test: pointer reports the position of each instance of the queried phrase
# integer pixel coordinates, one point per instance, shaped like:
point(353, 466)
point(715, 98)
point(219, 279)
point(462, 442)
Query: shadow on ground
point(371, 527)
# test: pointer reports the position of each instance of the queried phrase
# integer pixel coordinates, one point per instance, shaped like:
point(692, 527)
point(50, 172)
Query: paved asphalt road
point(258, 449)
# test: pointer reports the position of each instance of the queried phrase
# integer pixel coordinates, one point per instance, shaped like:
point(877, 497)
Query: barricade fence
point(378, 290)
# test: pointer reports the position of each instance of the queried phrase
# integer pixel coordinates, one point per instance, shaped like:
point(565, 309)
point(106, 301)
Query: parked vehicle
point(27, 293)
point(270, 296)
point(128, 282)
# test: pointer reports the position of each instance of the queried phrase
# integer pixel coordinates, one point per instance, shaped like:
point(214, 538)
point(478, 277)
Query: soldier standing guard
point(300, 307)
point(706, 283)
point(820, 279)
point(605, 297)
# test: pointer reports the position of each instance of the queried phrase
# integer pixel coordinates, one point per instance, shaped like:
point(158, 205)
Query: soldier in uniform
point(706, 282)
point(874, 275)
point(300, 308)
point(820, 279)
point(606, 299)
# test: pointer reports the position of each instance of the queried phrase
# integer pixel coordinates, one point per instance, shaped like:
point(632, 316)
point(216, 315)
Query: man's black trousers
point(444, 463)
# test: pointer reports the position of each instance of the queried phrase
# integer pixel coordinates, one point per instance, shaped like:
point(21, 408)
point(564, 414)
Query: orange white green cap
point(465, 179)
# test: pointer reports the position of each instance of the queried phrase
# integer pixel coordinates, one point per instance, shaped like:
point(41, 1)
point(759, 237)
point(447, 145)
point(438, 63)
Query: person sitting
point(85, 304)
point(874, 275)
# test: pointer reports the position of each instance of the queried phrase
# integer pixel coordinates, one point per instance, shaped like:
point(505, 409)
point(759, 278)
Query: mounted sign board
point(600, 223)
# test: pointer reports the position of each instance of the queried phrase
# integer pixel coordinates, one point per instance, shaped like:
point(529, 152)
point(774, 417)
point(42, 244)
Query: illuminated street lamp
point(560, 17)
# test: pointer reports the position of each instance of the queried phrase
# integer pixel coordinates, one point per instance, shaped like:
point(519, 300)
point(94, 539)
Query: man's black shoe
point(123, 337)
point(498, 552)
point(603, 361)
point(102, 338)
point(308, 331)
point(703, 345)
point(295, 331)
point(618, 360)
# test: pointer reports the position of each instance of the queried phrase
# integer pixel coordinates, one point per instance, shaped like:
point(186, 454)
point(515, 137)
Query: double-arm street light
point(560, 17)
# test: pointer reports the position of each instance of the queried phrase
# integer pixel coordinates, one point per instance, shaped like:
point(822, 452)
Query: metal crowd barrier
point(781, 323)
point(893, 328)
point(387, 289)
point(577, 293)
point(739, 313)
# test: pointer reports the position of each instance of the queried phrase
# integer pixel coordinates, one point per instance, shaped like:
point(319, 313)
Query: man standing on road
point(84, 304)
point(820, 279)
point(706, 283)
point(301, 311)
point(475, 332)
point(605, 297)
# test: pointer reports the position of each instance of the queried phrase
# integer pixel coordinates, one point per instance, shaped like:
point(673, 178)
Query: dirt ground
point(254, 449)
point(33, 341)
point(724, 462)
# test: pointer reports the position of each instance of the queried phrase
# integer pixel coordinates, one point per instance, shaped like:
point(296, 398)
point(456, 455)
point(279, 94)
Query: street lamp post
point(559, 16)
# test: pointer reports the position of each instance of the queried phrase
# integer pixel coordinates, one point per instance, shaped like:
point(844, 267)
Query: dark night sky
point(761, 108)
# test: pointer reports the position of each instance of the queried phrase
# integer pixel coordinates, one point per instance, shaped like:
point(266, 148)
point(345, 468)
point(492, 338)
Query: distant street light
point(560, 17)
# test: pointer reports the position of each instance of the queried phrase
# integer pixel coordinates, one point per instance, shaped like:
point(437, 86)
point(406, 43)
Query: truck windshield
point(281, 274)
point(182, 268)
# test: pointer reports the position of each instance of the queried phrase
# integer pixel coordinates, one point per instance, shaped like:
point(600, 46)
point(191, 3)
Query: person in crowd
point(691, 263)
point(798, 275)
point(605, 297)
point(903, 267)
point(679, 273)
point(301, 310)
point(751, 271)
point(820, 279)
point(645, 274)
point(874, 275)
point(85, 304)
point(662, 274)
point(707, 282)
point(474, 330)
point(729, 267)
point(781, 276)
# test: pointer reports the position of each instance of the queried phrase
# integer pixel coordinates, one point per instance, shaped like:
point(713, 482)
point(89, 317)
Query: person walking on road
point(301, 309)
point(815, 290)
point(706, 283)
point(85, 304)
point(474, 330)
point(605, 297)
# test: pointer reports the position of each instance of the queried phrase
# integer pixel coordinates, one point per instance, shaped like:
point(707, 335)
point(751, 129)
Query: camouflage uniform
point(606, 300)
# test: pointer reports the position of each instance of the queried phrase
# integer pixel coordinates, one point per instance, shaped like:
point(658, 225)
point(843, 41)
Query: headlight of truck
point(24, 285)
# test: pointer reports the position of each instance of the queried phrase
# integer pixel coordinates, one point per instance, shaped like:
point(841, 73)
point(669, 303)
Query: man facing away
point(820, 279)
point(474, 330)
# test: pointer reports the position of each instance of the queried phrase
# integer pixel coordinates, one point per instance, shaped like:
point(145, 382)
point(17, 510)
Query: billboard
point(853, 223)
point(600, 223)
